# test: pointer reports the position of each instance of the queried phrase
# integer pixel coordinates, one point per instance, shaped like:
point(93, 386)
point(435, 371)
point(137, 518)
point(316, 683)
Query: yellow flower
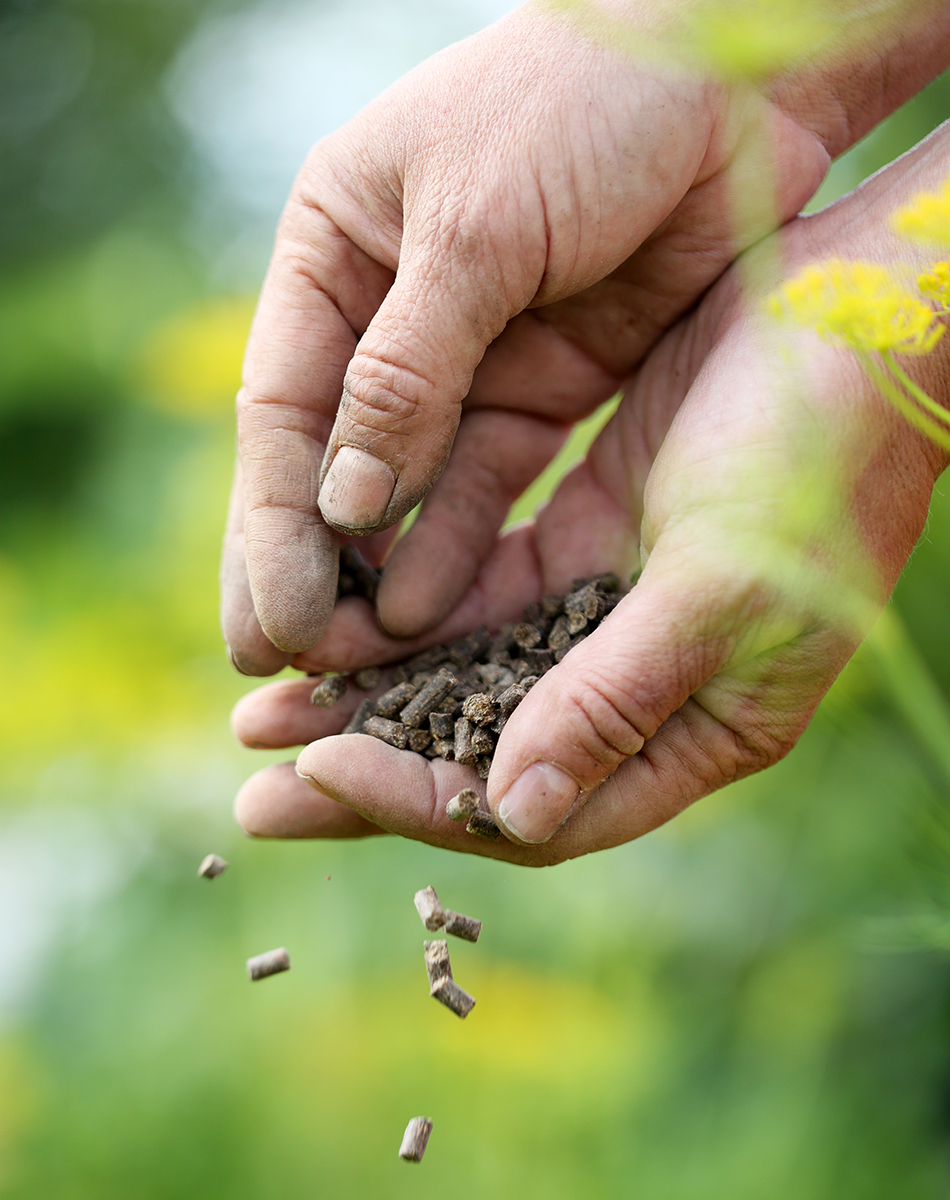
point(860, 305)
point(935, 284)
point(927, 218)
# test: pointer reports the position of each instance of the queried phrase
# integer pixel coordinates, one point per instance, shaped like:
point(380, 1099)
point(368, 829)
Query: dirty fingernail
point(356, 491)
point(537, 803)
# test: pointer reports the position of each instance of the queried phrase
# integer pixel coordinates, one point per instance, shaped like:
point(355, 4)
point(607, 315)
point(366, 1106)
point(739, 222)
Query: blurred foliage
point(752, 1002)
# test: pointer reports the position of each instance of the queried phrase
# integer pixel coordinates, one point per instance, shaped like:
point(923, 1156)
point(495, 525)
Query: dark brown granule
point(445, 748)
point(355, 724)
point(483, 741)
point(428, 698)
point(419, 740)
point(464, 752)
point(483, 824)
point(367, 678)
point(328, 691)
point(391, 732)
point(460, 926)
point(480, 708)
point(390, 704)
point(442, 725)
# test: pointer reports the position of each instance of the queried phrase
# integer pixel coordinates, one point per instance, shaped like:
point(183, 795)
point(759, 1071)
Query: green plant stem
point(917, 392)
point(887, 385)
point(912, 687)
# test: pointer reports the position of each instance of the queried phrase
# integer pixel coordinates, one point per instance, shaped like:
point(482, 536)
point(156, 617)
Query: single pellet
point(483, 766)
point(552, 607)
point(483, 741)
point(428, 699)
point(390, 732)
point(480, 708)
point(359, 718)
point(461, 926)
point(367, 678)
point(461, 807)
point(328, 691)
point(271, 963)
point(560, 635)
point(510, 698)
point(212, 866)
point(415, 1139)
point(448, 992)
point(501, 643)
point(429, 909)
point(538, 661)
point(445, 748)
point(390, 704)
point(464, 753)
point(482, 824)
point(581, 606)
point(438, 966)
point(442, 724)
point(526, 635)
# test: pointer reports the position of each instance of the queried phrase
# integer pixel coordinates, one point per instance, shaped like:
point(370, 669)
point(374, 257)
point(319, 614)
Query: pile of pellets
point(452, 701)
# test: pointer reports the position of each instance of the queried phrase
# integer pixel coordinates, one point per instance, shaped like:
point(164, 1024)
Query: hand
point(778, 499)
point(512, 226)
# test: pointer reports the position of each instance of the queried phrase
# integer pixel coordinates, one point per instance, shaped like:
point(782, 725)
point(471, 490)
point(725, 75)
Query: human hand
point(512, 225)
point(780, 497)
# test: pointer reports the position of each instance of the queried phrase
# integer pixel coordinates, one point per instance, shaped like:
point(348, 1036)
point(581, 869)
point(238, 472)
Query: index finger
point(320, 292)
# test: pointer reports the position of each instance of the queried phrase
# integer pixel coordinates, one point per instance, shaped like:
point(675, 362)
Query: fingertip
point(356, 491)
point(277, 803)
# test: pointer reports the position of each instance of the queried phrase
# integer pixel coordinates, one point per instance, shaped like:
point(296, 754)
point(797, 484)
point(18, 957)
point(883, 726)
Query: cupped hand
point(483, 255)
point(776, 497)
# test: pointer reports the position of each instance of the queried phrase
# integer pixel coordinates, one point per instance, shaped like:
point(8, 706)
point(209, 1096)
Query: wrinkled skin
point(477, 260)
point(774, 498)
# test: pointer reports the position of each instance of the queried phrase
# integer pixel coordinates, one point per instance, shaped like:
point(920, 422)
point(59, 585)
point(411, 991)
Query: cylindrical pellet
point(360, 717)
point(438, 966)
point(480, 708)
point(448, 992)
point(429, 909)
point(483, 825)
point(367, 678)
point(483, 741)
point(461, 807)
point(419, 740)
point(391, 703)
point(212, 866)
point(464, 752)
point(428, 699)
point(328, 691)
point(271, 963)
point(461, 926)
point(442, 724)
point(391, 732)
point(415, 1139)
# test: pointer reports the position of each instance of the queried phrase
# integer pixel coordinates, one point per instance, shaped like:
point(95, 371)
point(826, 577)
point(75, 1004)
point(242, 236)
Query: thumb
point(404, 387)
point(610, 693)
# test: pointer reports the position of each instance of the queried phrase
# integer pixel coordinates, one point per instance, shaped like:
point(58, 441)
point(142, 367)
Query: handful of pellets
point(452, 701)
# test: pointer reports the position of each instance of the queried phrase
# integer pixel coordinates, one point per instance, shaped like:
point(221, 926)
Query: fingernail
point(356, 491)
point(232, 659)
point(536, 804)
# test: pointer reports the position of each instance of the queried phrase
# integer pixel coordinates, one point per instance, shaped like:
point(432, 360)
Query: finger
point(250, 650)
point(276, 803)
point(412, 368)
point(402, 793)
point(281, 714)
point(319, 291)
point(495, 456)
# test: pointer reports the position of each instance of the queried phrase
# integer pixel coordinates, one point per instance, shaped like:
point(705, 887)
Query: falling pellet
point(271, 963)
point(429, 909)
point(212, 866)
point(438, 965)
point(415, 1138)
point(460, 926)
point(448, 992)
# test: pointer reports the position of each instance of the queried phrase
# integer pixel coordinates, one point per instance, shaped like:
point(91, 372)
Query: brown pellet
point(415, 1139)
point(448, 992)
point(271, 963)
point(390, 704)
point(212, 866)
point(367, 678)
point(466, 650)
point(483, 741)
point(438, 966)
point(442, 724)
point(510, 698)
point(483, 766)
point(480, 708)
point(560, 635)
point(429, 909)
point(428, 698)
point(445, 748)
point(461, 926)
point(359, 718)
point(461, 807)
point(328, 691)
point(482, 824)
point(464, 753)
point(526, 636)
point(390, 732)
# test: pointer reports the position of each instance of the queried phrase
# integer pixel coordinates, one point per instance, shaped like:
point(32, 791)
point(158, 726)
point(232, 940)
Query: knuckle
point(603, 730)
point(382, 397)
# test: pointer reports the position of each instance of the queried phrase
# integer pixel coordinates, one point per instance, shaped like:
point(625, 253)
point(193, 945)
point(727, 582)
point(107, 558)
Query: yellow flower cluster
point(927, 218)
point(935, 284)
point(860, 305)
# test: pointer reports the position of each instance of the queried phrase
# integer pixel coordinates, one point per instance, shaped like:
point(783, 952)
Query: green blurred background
point(751, 1003)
